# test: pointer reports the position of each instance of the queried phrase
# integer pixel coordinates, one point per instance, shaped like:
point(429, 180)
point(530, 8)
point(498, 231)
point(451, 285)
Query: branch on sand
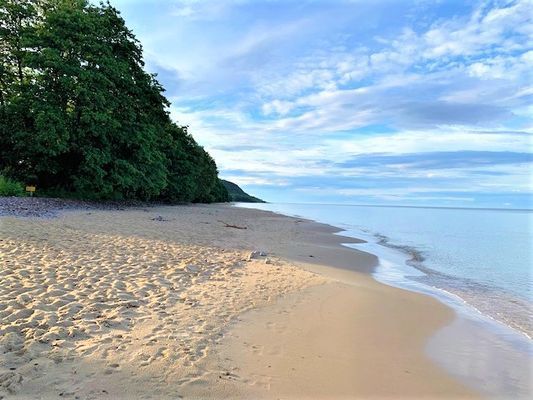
point(226, 225)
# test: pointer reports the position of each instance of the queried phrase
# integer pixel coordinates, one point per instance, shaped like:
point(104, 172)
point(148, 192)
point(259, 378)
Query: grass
point(9, 187)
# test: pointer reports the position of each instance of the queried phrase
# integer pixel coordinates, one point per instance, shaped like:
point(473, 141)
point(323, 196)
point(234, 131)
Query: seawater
point(484, 256)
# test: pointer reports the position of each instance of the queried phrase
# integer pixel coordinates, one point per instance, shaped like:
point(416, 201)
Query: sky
point(420, 102)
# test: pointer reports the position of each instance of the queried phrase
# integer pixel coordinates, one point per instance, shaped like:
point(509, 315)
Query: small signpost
point(30, 190)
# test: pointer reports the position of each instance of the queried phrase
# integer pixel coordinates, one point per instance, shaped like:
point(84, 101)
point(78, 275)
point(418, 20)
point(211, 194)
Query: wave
point(493, 302)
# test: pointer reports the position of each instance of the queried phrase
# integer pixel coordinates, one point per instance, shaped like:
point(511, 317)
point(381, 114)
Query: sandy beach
point(205, 302)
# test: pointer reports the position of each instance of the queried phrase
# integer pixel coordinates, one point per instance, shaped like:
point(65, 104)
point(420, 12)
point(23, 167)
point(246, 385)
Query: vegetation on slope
point(239, 195)
point(80, 117)
point(9, 187)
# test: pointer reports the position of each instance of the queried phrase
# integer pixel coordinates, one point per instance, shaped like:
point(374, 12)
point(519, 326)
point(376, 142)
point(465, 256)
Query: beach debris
point(227, 375)
point(256, 254)
point(159, 218)
point(233, 226)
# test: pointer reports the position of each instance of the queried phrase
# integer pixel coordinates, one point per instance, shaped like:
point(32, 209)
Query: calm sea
point(484, 256)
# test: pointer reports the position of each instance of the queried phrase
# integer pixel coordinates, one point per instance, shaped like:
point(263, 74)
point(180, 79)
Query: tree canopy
point(80, 116)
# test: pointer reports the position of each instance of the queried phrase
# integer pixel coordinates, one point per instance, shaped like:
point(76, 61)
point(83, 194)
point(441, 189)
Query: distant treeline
point(80, 117)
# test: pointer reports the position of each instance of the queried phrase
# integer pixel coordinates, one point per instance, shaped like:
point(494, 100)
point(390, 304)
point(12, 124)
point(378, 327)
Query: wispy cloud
point(408, 97)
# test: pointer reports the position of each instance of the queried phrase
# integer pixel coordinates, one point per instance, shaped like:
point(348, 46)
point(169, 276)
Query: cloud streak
point(297, 98)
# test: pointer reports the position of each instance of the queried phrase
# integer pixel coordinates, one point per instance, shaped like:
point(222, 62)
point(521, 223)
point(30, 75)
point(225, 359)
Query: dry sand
point(165, 303)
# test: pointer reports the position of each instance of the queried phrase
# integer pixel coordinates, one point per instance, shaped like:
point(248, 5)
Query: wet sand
point(166, 302)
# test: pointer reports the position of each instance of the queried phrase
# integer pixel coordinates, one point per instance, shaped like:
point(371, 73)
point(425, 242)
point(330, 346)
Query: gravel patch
point(51, 207)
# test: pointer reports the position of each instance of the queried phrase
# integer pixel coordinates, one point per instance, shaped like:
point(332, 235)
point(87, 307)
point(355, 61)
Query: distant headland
point(237, 194)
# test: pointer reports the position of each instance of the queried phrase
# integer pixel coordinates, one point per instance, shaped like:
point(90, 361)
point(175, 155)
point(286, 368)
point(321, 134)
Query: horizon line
point(399, 206)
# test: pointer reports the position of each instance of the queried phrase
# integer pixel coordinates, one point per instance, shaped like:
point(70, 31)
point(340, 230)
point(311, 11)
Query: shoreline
point(502, 343)
point(408, 271)
point(366, 311)
point(347, 280)
point(474, 347)
point(406, 274)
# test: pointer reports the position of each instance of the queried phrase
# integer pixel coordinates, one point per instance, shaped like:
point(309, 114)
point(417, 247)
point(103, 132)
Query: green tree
point(17, 26)
point(95, 123)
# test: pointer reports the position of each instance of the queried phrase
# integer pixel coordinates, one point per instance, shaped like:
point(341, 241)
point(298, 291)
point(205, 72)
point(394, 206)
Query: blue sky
point(364, 102)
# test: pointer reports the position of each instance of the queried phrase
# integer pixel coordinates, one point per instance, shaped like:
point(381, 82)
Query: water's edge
point(406, 269)
point(481, 351)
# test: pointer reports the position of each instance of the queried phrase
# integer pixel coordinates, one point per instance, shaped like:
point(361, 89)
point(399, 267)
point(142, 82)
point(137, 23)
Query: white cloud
point(453, 139)
point(277, 107)
point(293, 103)
point(487, 29)
point(254, 180)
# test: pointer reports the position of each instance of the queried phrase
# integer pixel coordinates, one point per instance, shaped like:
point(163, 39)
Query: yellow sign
point(30, 188)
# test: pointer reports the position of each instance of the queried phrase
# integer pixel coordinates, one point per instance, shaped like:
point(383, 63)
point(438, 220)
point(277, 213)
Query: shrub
point(10, 188)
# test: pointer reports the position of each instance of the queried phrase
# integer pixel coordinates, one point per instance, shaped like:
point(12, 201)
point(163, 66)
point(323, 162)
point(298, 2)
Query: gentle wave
point(497, 304)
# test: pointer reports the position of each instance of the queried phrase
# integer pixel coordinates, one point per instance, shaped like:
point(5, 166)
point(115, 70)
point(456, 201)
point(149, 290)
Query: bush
point(10, 188)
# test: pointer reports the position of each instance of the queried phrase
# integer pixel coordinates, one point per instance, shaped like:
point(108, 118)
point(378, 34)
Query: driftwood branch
point(226, 225)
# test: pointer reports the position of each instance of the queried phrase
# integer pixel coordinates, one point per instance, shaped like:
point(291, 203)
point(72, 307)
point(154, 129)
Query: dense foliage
point(9, 187)
point(79, 116)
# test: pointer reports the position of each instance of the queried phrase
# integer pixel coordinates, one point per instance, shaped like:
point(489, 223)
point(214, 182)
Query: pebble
point(257, 254)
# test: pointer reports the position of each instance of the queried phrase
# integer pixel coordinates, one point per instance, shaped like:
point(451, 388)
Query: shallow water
point(486, 355)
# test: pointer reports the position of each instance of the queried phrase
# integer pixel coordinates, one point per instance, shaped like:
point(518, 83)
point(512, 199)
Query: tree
point(17, 25)
point(95, 123)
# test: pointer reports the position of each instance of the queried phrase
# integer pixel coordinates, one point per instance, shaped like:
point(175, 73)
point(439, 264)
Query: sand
point(166, 302)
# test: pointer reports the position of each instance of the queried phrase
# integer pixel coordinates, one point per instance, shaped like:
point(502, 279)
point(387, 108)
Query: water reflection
point(491, 360)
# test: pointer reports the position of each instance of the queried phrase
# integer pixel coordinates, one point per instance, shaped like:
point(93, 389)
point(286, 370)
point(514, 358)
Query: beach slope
point(204, 301)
